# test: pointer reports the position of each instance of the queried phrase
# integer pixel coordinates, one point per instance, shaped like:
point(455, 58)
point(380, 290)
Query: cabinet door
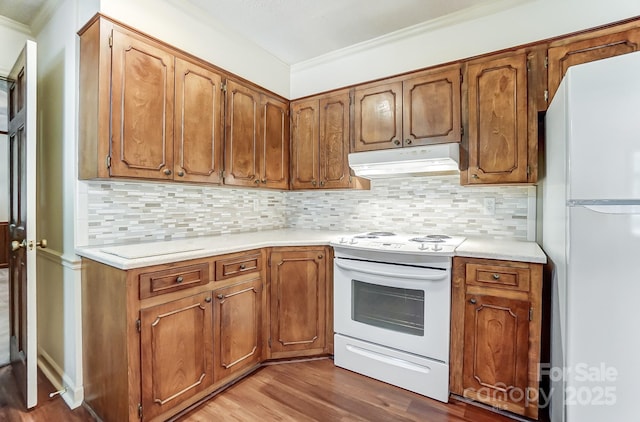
point(176, 352)
point(238, 319)
point(198, 125)
point(142, 109)
point(242, 134)
point(496, 346)
point(431, 110)
point(498, 123)
point(298, 300)
point(334, 140)
point(274, 143)
point(305, 144)
point(378, 117)
point(576, 50)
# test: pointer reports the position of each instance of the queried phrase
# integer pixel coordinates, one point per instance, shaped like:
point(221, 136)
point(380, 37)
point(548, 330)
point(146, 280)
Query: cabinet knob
point(322, 183)
point(396, 141)
point(496, 276)
point(220, 296)
point(243, 267)
point(313, 182)
point(167, 172)
point(257, 181)
point(208, 300)
point(320, 256)
point(264, 181)
point(181, 173)
point(179, 279)
point(407, 141)
point(473, 301)
point(474, 176)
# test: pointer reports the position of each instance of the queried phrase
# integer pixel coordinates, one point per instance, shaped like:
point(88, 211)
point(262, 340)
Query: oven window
point(392, 308)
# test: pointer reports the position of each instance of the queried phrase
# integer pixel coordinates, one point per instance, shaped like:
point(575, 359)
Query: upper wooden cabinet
point(501, 113)
point(165, 110)
point(588, 47)
point(256, 139)
point(423, 108)
point(320, 143)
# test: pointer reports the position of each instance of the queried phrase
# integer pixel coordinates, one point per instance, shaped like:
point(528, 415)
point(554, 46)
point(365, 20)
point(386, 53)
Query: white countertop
point(509, 250)
point(139, 255)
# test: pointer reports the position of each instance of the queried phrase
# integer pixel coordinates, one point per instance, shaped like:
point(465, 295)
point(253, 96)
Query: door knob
point(15, 245)
point(43, 243)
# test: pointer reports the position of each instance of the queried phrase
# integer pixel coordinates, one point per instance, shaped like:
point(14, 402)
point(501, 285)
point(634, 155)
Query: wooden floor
point(55, 409)
point(318, 391)
point(303, 391)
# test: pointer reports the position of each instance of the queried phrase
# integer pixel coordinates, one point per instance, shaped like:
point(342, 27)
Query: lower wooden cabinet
point(237, 332)
point(495, 333)
point(159, 339)
point(298, 301)
point(176, 354)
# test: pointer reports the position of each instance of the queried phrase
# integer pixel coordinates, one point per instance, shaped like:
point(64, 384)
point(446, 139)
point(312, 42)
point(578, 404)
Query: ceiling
point(298, 30)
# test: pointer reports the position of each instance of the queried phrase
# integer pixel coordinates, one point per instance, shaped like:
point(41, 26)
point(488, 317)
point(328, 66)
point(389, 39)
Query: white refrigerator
point(591, 234)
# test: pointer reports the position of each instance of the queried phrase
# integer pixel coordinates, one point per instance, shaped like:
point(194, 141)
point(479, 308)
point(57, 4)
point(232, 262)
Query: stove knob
point(437, 248)
point(423, 247)
point(343, 240)
point(353, 242)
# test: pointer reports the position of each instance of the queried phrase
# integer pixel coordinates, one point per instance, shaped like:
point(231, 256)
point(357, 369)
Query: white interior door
point(22, 222)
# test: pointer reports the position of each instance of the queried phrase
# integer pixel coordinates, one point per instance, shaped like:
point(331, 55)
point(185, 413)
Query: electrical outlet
point(489, 206)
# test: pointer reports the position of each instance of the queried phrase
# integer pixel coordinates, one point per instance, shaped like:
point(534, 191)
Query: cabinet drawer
point(228, 268)
point(173, 279)
point(502, 276)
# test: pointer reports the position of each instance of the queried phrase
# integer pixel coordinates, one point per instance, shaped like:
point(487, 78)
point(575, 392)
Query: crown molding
point(468, 14)
point(16, 26)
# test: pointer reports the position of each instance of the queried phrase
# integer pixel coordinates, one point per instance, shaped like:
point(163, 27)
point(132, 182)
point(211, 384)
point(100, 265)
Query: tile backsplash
point(138, 211)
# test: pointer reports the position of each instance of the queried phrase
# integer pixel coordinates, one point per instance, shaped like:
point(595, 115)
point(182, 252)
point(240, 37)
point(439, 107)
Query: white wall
point(179, 25)
point(529, 21)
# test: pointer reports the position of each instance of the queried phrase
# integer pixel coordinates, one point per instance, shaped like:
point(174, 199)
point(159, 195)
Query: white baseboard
point(73, 395)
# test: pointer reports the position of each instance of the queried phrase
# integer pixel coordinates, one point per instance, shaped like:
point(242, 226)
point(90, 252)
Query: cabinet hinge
point(528, 170)
point(223, 174)
point(528, 64)
point(530, 314)
point(546, 95)
point(269, 342)
point(461, 77)
point(108, 161)
point(110, 40)
point(139, 410)
point(461, 130)
point(139, 325)
point(223, 87)
point(546, 62)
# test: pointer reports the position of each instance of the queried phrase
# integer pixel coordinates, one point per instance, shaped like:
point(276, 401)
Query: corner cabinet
point(496, 316)
point(256, 138)
point(501, 144)
point(421, 109)
point(320, 129)
point(146, 111)
point(299, 301)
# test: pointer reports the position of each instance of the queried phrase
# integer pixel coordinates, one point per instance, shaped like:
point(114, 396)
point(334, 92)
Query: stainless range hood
point(410, 161)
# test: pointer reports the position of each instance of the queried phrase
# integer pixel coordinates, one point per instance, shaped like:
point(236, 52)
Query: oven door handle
point(399, 274)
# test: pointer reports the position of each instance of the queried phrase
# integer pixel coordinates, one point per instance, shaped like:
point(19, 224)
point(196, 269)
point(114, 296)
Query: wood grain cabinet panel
point(176, 353)
point(142, 109)
point(273, 154)
point(584, 48)
point(298, 301)
point(498, 121)
point(198, 125)
point(238, 328)
point(419, 109)
point(170, 280)
point(320, 143)
point(496, 333)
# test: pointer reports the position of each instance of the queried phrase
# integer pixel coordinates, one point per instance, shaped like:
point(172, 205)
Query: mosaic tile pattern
point(137, 211)
point(434, 204)
point(124, 211)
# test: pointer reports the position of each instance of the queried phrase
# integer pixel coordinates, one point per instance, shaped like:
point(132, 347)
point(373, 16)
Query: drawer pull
point(179, 279)
point(496, 276)
point(473, 301)
point(243, 267)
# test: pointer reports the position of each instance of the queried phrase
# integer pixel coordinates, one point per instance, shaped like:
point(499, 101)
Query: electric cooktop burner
point(432, 238)
point(374, 235)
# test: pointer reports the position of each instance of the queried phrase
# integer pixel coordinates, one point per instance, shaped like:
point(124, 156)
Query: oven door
point(398, 306)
